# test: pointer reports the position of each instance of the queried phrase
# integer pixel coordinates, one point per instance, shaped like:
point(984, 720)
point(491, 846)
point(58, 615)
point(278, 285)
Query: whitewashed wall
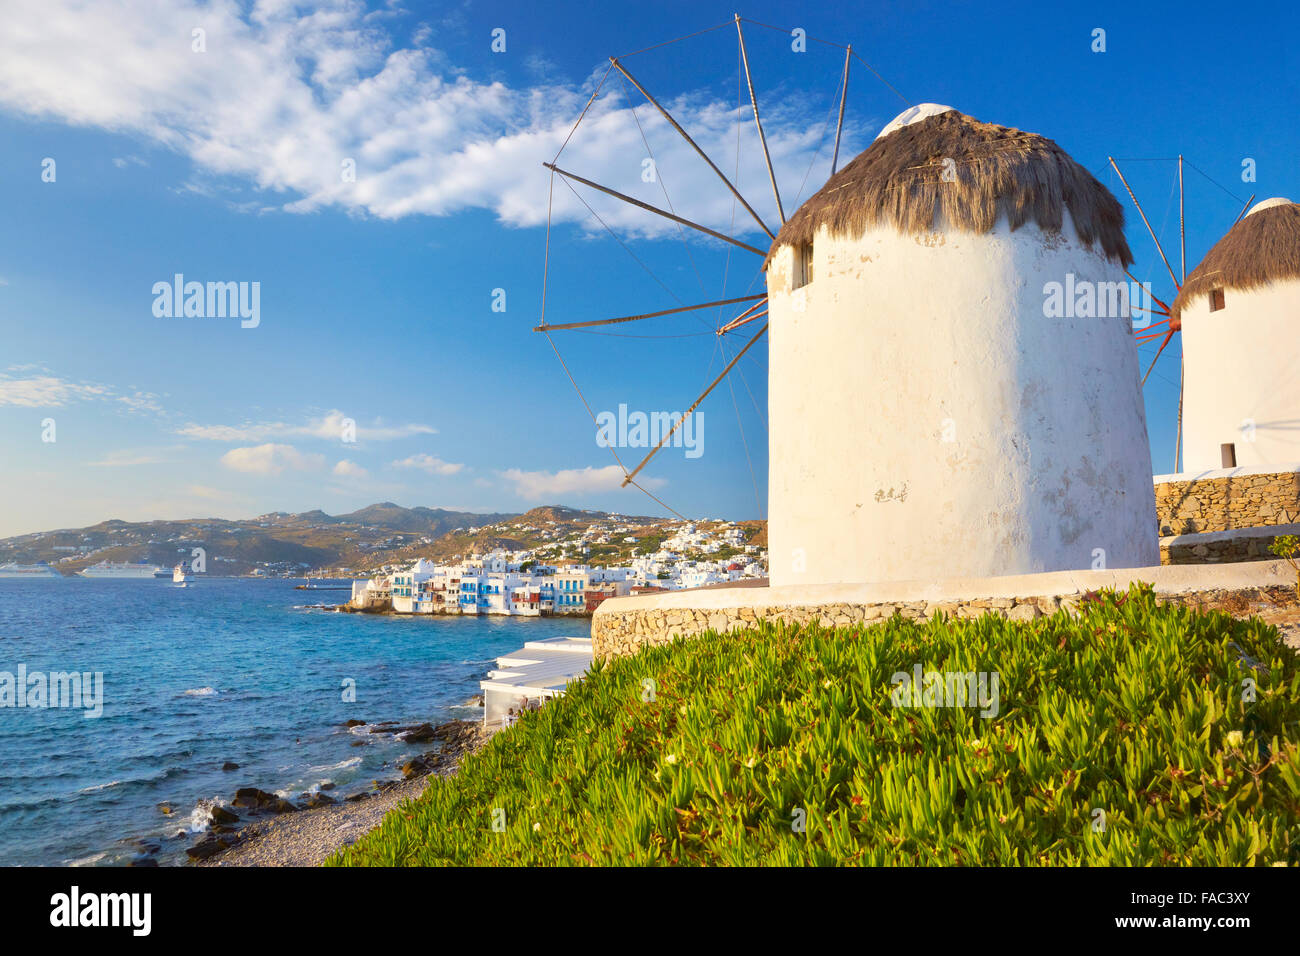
point(1242, 385)
point(905, 341)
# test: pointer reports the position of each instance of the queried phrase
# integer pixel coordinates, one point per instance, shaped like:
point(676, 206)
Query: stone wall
point(1223, 501)
point(624, 625)
point(1212, 548)
point(624, 633)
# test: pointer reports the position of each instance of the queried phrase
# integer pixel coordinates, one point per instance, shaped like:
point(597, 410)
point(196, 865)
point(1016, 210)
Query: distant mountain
point(436, 521)
point(380, 534)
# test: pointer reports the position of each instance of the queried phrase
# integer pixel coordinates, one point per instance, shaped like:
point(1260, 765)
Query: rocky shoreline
point(386, 608)
point(260, 828)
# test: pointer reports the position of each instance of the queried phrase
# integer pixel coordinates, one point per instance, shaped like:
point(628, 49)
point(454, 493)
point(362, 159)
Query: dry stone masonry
point(613, 635)
point(624, 625)
point(1224, 503)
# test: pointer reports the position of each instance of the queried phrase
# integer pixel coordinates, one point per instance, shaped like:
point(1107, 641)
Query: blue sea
point(224, 670)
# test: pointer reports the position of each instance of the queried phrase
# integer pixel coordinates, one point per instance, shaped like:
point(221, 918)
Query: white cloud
point(282, 98)
point(45, 390)
point(349, 469)
point(331, 426)
point(434, 466)
point(271, 459)
point(537, 485)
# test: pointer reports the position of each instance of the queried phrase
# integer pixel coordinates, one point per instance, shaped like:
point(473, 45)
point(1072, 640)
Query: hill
point(318, 544)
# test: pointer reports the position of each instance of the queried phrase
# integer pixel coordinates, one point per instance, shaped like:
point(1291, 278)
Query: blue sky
point(377, 295)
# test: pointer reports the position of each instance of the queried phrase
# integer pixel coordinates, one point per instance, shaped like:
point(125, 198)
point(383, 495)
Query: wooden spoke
point(686, 136)
point(649, 315)
point(686, 414)
point(654, 209)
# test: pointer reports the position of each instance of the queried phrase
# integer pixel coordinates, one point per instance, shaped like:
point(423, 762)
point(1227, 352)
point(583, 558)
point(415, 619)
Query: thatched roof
point(998, 170)
point(1262, 248)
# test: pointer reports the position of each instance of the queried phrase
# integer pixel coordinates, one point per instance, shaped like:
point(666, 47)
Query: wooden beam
point(844, 92)
point(686, 414)
point(648, 315)
point(686, 136)
point(1159, 248)
point(753, 101)
point(654, 209)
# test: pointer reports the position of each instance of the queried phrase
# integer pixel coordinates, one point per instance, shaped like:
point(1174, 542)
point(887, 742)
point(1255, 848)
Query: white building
point(1239, 311)
point(935, 420)
point(406, 585)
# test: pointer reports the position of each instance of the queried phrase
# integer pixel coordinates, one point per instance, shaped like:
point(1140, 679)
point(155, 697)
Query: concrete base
point(624, 625)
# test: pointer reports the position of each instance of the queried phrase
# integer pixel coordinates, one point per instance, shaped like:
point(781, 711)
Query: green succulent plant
point(1128, 733)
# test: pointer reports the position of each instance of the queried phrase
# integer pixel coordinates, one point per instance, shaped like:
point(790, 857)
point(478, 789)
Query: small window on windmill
point(803, 265)
point(1216, 300)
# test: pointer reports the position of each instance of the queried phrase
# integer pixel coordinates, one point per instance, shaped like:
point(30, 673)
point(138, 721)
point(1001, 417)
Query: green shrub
point(1287, 546)
point(1142, 711)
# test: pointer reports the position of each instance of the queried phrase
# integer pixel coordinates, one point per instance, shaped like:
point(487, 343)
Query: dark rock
point(327, 785)
point(252, 798)
point(421, 734)
point(228, 765)
point(354, 723)
point(143, 861)
point(357, 797)
point(222, 815)
point(414, 768)
point(209, 846)
point(310, 801)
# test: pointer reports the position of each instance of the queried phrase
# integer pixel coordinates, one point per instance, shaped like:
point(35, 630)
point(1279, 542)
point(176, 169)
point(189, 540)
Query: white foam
point(100, 786)
point(201, 815)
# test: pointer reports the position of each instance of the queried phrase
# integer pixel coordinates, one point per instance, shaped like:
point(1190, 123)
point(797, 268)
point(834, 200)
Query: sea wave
point(201, 815)
point(87, 860)
point(341, 765)
point(200, 692)
point(101, 786)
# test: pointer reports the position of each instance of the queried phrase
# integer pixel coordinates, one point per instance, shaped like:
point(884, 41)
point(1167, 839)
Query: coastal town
point(534, 583)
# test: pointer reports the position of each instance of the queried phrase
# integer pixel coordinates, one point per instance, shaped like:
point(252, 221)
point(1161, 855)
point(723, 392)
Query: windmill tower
point(1237, 313)
point(930, 417)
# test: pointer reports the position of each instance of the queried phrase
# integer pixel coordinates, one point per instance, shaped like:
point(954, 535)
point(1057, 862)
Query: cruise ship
point(121, 569)
point(28, 572)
